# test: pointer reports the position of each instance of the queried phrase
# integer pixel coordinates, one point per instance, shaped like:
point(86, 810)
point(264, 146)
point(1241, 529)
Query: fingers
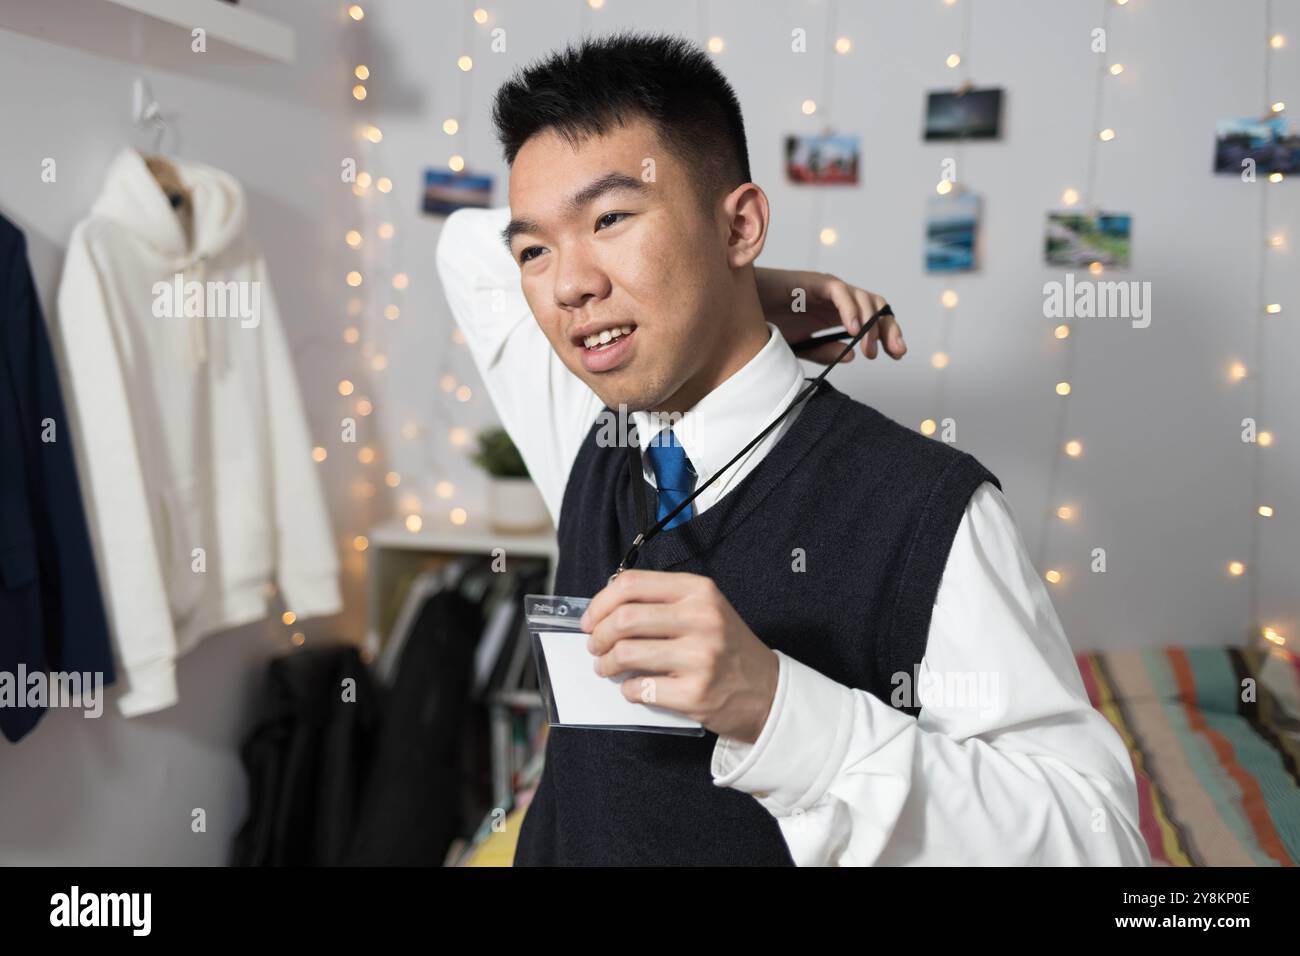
point(633, 585)
point(659, 620)
point(847, 305)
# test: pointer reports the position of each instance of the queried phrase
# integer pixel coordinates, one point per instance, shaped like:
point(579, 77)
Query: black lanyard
point(634, 450)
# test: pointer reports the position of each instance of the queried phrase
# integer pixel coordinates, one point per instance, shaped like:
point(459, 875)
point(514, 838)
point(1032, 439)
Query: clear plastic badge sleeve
point(574, 694)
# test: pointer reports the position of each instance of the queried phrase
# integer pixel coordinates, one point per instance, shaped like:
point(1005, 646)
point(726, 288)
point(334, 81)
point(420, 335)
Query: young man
point(817, 605)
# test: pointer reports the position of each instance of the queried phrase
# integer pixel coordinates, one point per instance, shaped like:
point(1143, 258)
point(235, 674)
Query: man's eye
point(610, 218)
point(528, 253)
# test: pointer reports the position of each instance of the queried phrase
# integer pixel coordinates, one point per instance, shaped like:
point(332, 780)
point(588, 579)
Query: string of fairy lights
point(1063, 447)
point(376, 288)
point(948, 299)
point(1270, 244)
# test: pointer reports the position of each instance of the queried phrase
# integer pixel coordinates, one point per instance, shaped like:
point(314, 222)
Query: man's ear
point(745, 212)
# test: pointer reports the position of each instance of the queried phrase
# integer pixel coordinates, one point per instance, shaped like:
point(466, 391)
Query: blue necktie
point(673, 477)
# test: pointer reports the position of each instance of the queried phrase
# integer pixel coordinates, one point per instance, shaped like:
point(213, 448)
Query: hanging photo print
point(445, 192)
point(824, 160)
point(951, 225)
point(1273, 143)
point(969, 114)
point(1080, 239)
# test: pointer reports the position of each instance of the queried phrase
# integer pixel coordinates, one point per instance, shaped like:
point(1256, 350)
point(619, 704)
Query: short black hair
point(587, 88)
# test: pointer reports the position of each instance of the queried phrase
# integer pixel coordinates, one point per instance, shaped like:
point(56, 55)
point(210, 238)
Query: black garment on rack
point(51, 610)
point(411, 808)
point(307, 759)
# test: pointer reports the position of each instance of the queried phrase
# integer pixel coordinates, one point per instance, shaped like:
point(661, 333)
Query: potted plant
point(514, 503)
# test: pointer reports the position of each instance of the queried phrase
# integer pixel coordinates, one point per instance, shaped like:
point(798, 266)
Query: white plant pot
point(516, 506)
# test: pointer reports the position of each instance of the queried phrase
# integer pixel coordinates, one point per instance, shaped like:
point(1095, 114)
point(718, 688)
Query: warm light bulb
point(444, 489)
point(401, 280)
point(1275, 177)
point(939, 360)
point(360, 542)
point(1070, 197)
point(1279, 106)
point(1096, 268)
point(319, 454)
point(385, 230)
point(828, 236)
point(1265, 511)
point(345, 387)
point(1062, 388)
point(1053, 576)
point(384, 184)
point(716, 45)
point(351, 335)
point(953, 60)
point(379, 363)
point(480, 15)
point(359, 92)
point(365, 455)
point(456, 163)
point(595, 4)
point(288, 617)
point(392, 479)
point(373, 134)
point(944, 187)
point(809, 107)
point(362, 72)
point(1074, 448)
point(843, 45)
point(465, 63)
point(414, 523)
point(460, 515)
point(391, 312)
point(1265, 439)
point(1277, 41)
point(1065, 512)
point(364, 407)
point(949, 299)
point(450, 126)
point(355, 12)
point(1116, 69)
point(1273, 636)
point(1062, 332)
point(299, 638)
point(1236, 568)
point(364, 179)
point(353, 238)
point(354, 278)
point(928, 426)
point(463, 393)
point(458, 437)
point(1273, 308)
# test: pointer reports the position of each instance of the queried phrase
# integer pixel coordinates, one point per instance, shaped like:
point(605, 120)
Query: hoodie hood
point(132, 198)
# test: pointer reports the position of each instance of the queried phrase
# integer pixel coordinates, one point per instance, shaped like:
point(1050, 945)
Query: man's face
point(602, 243)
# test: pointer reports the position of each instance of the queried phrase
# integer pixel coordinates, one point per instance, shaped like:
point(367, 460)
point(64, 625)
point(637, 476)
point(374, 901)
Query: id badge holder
point(579, 697)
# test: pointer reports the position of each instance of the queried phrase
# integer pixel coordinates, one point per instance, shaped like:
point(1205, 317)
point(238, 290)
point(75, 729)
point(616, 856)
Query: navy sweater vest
point(831, 549)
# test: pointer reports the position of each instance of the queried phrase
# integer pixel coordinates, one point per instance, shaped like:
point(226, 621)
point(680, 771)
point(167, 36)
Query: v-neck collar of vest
point(673, 546)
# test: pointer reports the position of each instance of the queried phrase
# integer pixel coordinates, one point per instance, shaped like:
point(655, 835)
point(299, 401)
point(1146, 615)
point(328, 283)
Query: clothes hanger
point(149, 115)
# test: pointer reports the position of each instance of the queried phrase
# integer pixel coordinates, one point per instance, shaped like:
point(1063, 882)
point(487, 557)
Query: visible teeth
point(606, 336)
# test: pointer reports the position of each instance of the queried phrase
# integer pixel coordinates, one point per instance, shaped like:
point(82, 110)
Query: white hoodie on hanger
point(192, 444)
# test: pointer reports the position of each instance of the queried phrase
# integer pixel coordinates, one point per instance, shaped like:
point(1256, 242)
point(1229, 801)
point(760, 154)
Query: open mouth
point(606, 338)
point(608, 349)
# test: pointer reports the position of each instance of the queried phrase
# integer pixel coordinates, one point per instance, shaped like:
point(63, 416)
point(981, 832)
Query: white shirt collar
point(726, 419)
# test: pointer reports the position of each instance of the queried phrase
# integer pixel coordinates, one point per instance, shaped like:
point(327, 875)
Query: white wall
point(1164, 484)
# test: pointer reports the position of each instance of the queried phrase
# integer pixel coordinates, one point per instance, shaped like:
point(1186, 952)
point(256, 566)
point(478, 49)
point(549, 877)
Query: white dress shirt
point(1020, 769)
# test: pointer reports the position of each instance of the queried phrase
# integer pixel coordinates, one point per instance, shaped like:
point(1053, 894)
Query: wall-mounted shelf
point(153, 32)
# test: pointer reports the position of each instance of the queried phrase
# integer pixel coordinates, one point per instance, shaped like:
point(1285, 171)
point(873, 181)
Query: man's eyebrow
point(588, 194)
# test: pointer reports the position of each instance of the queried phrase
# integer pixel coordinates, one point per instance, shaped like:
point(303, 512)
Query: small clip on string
point(630, 558)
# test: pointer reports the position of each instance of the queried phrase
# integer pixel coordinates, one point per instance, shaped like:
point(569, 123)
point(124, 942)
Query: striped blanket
point(1214, 733)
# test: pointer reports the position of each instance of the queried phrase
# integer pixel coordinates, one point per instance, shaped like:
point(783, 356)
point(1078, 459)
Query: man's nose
point(579, 279)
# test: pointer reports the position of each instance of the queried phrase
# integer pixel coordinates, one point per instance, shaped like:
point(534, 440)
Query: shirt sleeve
point(546, 409)
point(1007, 764)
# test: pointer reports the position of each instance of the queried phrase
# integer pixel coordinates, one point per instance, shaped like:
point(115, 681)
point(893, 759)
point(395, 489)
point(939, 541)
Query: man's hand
point(700, 659)
point(829, 302)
